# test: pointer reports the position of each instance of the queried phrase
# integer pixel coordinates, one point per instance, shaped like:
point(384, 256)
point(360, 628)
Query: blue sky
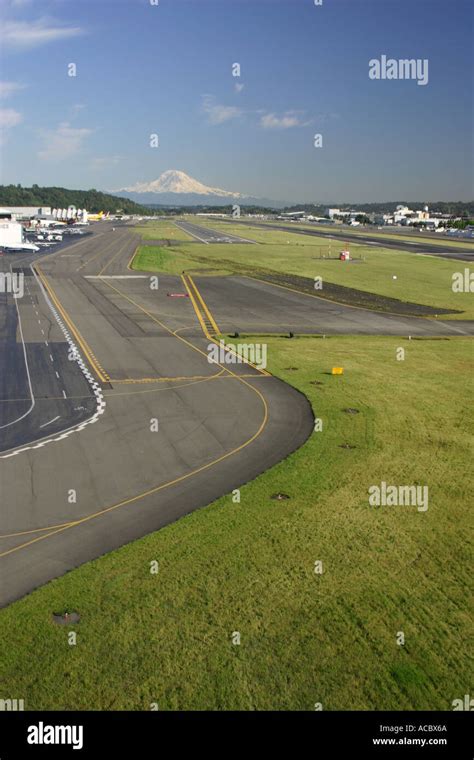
point(167, 69)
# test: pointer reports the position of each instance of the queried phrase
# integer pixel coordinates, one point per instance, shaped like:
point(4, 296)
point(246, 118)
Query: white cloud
point(8, 88)
point(218, 114)
point(287, 120)
point(22, 35)
point(63, 142)
point(9, 118)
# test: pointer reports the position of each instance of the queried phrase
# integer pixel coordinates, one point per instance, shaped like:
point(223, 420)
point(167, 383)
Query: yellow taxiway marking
point(100, 372)
point(99, 253)
point(206, 332)
point(195, 307)
point(330, 300)
point(204, 306)
point(129, 265)
point(64, 526)
point(55, 529)
point(108, 263)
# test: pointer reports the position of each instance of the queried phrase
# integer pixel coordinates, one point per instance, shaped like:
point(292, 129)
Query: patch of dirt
point(333, 292)
point(353, 297)
point(66, 618)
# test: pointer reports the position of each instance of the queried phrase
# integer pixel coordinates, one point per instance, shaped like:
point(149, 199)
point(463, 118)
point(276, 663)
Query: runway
point(247, 305)
point(148, 428)
point(175, 432)
point(422, 247)
point(206, 235)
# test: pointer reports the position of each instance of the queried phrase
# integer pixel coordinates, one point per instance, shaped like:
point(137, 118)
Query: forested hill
point(60, 197)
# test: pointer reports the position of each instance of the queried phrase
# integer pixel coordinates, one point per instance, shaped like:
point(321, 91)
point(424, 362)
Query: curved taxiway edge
point(30, 560)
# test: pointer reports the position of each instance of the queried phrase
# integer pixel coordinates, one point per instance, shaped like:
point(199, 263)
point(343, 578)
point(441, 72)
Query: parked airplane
point(20, 247)
point(97, 217)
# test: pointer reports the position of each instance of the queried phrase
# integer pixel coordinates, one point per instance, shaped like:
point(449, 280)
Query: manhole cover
point(346, 446)
point(349, 410)
point(280, 496)
point(66, 618)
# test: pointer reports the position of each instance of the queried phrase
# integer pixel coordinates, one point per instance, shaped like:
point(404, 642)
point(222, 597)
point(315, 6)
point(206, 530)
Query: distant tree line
point(178, 210)
point(59, 197)
point(463, 209)
point(461, 225)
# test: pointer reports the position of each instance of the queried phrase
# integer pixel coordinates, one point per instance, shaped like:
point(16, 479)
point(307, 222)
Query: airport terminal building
point(22, 213)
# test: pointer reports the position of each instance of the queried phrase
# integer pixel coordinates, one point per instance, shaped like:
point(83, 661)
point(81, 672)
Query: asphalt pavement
point(458, 252)
point(207, 235)
point(114, 419)
point(170, 432)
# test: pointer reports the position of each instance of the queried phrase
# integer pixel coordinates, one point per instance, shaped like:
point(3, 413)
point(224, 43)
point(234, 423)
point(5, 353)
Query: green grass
point(249, 567)
point(153, 258)
point(386, 233)
point(162, 230)
point(420, 279)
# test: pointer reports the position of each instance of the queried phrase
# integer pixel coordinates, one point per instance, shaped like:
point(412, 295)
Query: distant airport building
point(382, 219)
point(30, 212)
point(336, 213)
point(293, 215)
point(209, 213)
point(26, 212)
point(405, 216)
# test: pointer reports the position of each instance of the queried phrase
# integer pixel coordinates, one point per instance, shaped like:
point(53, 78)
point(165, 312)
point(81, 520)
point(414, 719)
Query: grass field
point(167, 260)
point(338, 232)
point(420, 279)
point(163, 230)
point(249, 566)
point(422, 237)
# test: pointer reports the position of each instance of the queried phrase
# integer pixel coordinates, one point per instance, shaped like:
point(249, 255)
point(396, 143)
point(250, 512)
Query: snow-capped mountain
point(176, 188)
point(174, 181)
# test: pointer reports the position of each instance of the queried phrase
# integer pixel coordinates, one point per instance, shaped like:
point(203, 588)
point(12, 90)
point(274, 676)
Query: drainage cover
point(346, 446)
point(66, 618)
point(349, 410)
point(280, 496)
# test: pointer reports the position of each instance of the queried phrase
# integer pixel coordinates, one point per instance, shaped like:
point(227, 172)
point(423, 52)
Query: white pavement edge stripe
point(27, 372)
point(100, 403)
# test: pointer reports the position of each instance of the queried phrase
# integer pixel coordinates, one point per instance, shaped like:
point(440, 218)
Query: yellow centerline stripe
point(100, 372)
point(196, 309)
point(129, 265)
point(108, 263)
point(331, 300)
point(230, 349)
point(204, 305)
point(156, 489)
point(150, 491)
point(99, 253)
